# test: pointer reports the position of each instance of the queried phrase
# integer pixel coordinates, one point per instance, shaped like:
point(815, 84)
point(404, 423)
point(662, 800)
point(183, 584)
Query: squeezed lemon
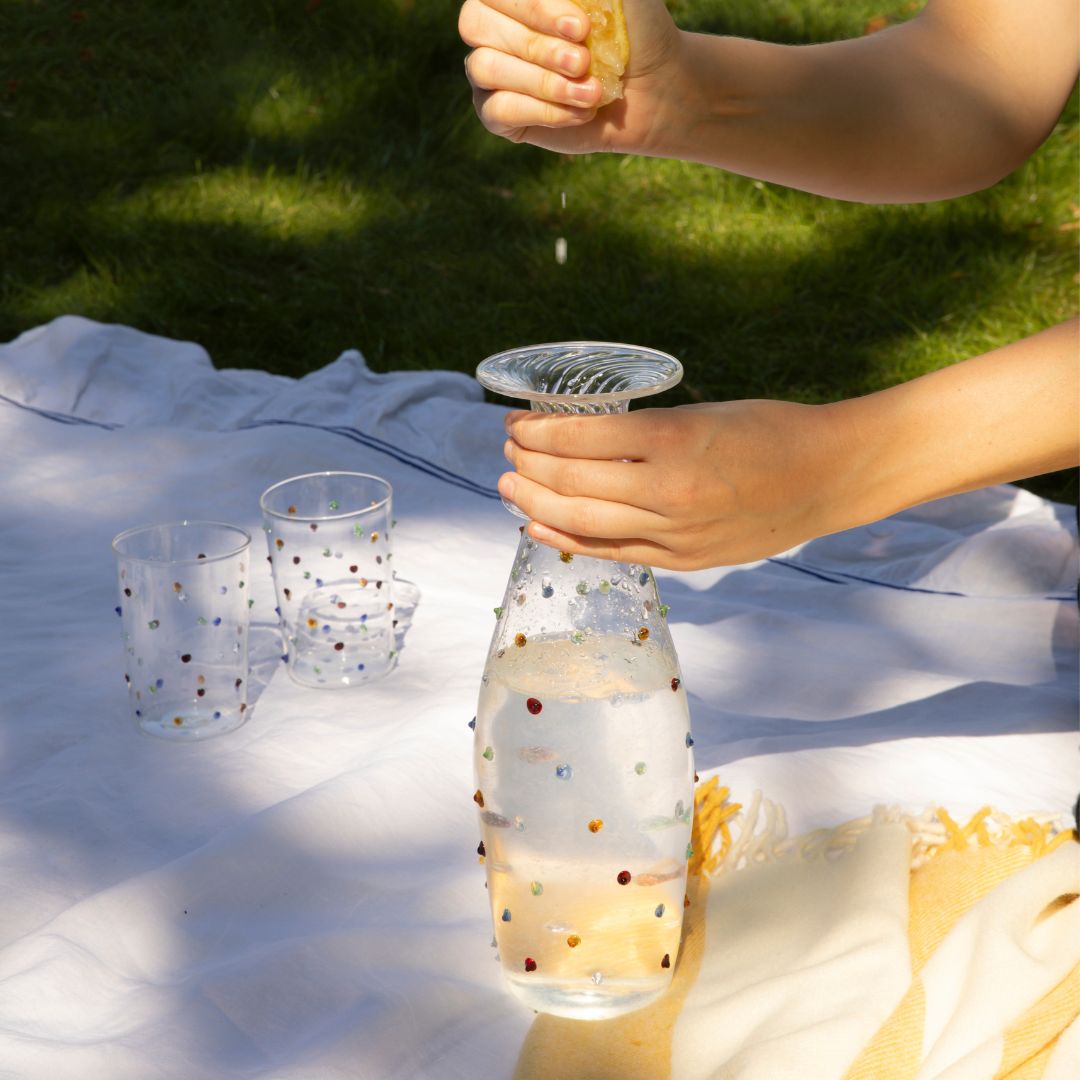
point(608, 44)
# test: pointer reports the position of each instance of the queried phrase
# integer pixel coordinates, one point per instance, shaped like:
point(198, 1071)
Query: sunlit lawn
point(283, 180)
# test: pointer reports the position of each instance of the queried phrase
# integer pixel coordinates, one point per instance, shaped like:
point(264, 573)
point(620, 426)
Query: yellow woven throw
point(891, 948)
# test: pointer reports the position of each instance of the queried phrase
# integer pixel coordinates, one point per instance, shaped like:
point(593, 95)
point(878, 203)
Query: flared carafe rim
point(579, 372)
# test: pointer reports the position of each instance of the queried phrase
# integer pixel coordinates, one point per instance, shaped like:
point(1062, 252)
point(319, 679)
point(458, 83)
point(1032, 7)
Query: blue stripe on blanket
point(431, 468)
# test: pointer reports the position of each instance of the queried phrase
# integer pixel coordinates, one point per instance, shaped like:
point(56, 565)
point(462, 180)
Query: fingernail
point(570, 27)
point(585, 92)
point(507, 447)
point(568, 61)
point(506, 486)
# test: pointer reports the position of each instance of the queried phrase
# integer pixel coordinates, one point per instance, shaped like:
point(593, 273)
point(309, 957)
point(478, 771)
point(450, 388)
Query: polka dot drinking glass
point(328, 535)
point(184, 609)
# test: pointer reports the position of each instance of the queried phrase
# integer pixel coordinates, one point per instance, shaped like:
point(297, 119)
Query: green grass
point(282, 179)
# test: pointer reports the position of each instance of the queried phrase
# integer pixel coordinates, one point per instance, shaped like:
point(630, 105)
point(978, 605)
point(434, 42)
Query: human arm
point(730, 482)
point(939, 106)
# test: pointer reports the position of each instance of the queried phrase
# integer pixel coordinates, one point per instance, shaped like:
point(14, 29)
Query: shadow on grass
point(433, 245)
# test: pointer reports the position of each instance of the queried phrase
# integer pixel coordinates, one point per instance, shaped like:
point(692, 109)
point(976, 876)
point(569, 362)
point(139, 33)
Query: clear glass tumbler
point(184, 611)
point(328, 535)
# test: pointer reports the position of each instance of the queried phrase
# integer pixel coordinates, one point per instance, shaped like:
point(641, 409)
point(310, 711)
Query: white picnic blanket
point(301, 899)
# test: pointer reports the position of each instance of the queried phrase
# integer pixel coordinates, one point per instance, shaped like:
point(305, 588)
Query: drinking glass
point(328, 535)
point(184, 611)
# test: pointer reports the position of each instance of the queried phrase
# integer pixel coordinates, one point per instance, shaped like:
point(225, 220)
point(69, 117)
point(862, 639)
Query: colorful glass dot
point(127, 592)
point(547, 591)
point(288, 593)
point(153, 624)
point(535, 706)
point(313, 527)
point(519, 640)
point(689, 851)
point(564, 772)
point(481, 850)
point(296, 560)
point(217, 620)
point(201, 692)
point(643, 577)
point(334, 504)
point(498, 612)
point(686, 900)
point(359, 667)
point(566, 556)
point(664, 609)
point(177, 587)
point(177, 720)
point(623, 877)
point(605, 587)
point(279, 543)
point(488, 753)
point(326, 553)
point(478, 798)
point(536, 888)
point(577, 637)
point(643, 633)
point(639, 768)
point(581, 588)
point(689, 740)
point(341, 605)
point(217, 715)
point(595, 825)
point(675, 684)
point(201, 621)
point(659, 911)
point(186, 658)
point(666, 962)
point(506, 914)
point(118, 611)
point(236, 685)
point(573, 941)
point(530, 964)
point(292, 510)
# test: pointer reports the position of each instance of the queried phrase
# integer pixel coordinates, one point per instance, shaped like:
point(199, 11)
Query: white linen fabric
point(300, 899)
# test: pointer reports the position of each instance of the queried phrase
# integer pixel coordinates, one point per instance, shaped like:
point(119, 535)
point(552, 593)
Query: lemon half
point(609, 45)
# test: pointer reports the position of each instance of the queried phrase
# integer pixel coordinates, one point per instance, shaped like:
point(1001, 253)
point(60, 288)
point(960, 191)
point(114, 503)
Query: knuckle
point(552, 86)
point(583, 520)
point(568, 478)
point(533, 13)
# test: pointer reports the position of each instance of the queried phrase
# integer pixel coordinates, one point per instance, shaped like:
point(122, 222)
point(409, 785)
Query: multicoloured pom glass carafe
point(583, 761)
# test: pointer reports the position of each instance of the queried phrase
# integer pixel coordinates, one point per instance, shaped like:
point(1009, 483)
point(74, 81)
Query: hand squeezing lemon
point(609, 45)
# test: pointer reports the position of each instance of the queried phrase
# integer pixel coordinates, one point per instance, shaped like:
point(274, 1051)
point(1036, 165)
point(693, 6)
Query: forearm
point(1002, 416)
point(934, 108)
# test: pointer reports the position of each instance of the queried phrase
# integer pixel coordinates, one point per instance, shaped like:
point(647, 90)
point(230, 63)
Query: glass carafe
point(583, 762)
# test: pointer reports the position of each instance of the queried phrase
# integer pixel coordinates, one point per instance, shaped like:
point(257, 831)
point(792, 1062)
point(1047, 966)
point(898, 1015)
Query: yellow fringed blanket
point(891, 948)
